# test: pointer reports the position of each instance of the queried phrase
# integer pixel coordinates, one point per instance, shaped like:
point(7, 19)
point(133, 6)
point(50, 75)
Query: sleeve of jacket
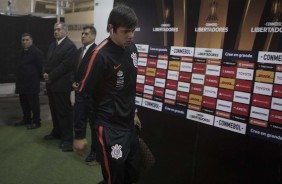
point(92, 79)
point(81, 116)
point(97, 71)
point(66, 64)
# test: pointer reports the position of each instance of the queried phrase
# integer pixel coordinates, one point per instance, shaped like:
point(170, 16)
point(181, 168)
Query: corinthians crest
point(116, 151)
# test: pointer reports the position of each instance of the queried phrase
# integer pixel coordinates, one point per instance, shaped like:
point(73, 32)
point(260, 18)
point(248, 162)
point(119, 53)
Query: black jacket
point(82, 107)
point(29, 71)
point(110, 81)
point(60, 63)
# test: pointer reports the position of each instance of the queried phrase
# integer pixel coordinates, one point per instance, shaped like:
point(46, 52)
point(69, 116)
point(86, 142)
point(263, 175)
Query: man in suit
point(58, 74)
point(29, 74)
point(82, 110)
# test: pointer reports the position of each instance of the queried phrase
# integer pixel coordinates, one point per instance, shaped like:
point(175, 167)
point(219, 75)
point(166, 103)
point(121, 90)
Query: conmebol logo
point(152, 104)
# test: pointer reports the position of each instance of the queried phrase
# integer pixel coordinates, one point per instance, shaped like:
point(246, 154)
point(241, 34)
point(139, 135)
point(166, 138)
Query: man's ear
point(110, 28)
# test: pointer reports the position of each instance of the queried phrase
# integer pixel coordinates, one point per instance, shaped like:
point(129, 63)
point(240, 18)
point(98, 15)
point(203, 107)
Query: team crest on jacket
point(120, 79)
point(116, 151)
point(134, 59)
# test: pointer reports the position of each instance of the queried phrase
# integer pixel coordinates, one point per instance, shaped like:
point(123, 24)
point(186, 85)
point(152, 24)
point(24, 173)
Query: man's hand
point(137, 121)
point(46, 77)
point(79, 146)
point(75, 86)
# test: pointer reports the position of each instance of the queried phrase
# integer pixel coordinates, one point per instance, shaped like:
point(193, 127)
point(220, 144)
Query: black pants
point(82, 114)
point(61, 112)
point(30, 105)
point(94, 139)
point(120, 161)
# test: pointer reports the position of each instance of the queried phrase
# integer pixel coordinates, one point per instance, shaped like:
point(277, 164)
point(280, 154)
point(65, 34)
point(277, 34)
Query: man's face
point(123, 36)
point(87, 37)
point(26, 42)
point(59, 32)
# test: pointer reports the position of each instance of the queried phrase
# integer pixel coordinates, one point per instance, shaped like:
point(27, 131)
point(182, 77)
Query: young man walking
point(110, 80)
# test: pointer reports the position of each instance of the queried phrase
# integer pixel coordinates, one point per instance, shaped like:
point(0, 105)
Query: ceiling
point(78, 1)
point(44, 8)
point(75, 1)
point(68, 6)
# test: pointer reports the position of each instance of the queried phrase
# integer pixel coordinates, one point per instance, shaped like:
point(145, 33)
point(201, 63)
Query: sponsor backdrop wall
point(216, 62)
point(209, 79)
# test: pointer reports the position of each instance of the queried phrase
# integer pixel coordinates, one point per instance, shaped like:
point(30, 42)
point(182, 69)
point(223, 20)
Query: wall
point(22, 7)
point(98, 17)
point(76, 22)
point(102, 10)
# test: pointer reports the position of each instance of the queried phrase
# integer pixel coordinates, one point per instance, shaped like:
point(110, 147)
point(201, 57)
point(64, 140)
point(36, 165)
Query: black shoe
point(20, 123)
point(66, 147)
point(91, 160)
point(51, 137)
point(101, 182)
point(63, 144)
point(91, 157)
point(33, 126)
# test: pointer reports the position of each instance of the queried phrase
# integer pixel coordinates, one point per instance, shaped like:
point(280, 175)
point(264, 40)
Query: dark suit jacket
point(82, 107)
point(80, 68)
point(29, 71)
point(60, 63)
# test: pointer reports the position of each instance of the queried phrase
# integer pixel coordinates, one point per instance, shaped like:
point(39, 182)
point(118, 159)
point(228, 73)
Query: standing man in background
point(82, 107)
point(28, 76)
point(58, 75)
point(111, 80)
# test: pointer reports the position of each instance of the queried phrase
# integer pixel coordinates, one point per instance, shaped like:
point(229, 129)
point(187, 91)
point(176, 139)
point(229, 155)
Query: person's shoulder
point(102, 47)
point(132, 47)
point(69, 40)
point(102, 52)
point(68, 43)
point(92, 47)
point(34, 48)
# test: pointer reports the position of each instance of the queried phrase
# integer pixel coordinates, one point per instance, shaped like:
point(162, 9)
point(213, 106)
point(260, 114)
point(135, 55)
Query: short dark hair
point(26, 34)
point(92, 29)
point(122, 16)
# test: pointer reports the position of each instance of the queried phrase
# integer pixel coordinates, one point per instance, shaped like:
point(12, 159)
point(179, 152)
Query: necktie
point(80, 57)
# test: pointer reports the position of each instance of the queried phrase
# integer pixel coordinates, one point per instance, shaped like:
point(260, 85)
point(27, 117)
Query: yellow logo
point(174, 65)
point(264, 76)
point(195, 99)
point(226, 83)
point(151, 72)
